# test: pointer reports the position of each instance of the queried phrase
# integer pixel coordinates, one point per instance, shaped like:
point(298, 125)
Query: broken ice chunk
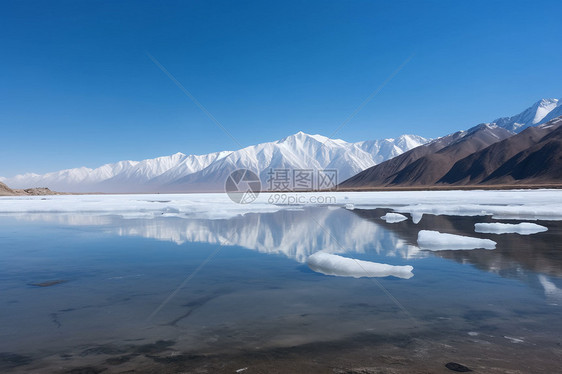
point(394, 217)
point(436, 241)
point(523, 228)
point(330, 264)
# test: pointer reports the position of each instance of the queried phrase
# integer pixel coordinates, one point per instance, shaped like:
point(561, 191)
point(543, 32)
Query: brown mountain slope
point(40, 191)
point(5, 190)
point(426, 164)
point(538, 164)
point(479, 166)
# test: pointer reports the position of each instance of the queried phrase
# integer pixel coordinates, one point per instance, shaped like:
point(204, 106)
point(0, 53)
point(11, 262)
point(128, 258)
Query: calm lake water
point(84, 293)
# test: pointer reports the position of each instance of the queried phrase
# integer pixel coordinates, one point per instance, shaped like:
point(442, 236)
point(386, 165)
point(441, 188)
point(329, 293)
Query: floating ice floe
point(436, 241)
point(523, 228)
point(394, 217)
point(330, 264)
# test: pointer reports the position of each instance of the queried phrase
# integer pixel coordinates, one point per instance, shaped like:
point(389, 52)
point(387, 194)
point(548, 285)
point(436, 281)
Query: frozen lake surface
point(196, 283)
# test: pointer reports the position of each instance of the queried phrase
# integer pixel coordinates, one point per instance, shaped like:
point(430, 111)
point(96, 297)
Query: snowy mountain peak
point(547, 102)
point(301, 137)
point(540, 112)
point(483, 126)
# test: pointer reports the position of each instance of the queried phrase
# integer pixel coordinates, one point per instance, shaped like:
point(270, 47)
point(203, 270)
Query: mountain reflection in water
point(101, 276)
point(299, 233)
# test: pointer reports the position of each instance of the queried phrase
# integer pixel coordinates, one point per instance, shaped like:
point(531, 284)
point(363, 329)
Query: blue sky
point(78, 88)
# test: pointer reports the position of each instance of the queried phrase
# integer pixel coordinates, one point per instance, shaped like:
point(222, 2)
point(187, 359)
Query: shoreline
point(407, 352)
point(48, 192)
point(453, 188)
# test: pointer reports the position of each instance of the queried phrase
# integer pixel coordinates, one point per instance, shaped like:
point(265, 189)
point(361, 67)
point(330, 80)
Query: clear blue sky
point(78, 89)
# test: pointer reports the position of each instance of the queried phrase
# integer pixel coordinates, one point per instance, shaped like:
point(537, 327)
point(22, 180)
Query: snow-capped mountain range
point(197, 173)
point(189, 173)
point(541, 112)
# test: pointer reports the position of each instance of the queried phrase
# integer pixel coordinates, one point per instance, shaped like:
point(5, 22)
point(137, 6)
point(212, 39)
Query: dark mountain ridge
point(426, 164)
point(484, 155)
point(492, 165)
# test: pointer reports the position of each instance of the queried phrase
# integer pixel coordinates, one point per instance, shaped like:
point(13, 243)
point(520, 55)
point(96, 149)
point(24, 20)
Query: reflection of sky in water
point(258, 290)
